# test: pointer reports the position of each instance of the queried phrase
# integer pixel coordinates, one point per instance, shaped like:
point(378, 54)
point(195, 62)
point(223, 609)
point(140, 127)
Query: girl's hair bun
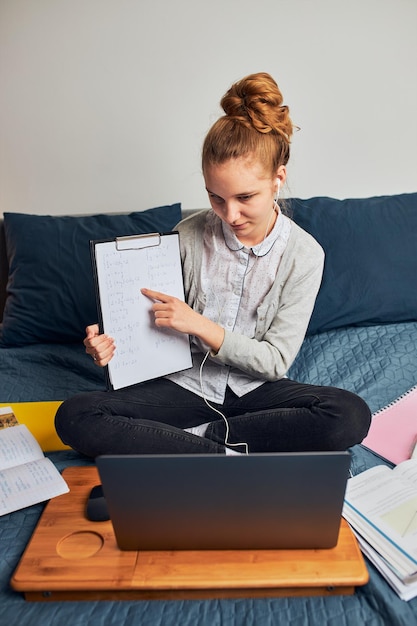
point(257, 102)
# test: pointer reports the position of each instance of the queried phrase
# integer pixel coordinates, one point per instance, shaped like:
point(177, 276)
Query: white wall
point(104, 103)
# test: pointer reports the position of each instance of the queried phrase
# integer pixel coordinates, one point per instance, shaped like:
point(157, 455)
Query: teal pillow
point(371, 259)
point(50, 290)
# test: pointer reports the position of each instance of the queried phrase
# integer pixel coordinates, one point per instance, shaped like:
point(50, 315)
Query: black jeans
point(149, 418)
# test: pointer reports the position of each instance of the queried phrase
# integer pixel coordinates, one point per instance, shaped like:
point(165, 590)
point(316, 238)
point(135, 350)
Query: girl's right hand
point(99, 346)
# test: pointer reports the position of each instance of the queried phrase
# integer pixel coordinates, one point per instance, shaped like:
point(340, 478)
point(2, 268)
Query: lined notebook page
point(29, 484)
point(393, 430)
point(143, 351)
point(26, 475)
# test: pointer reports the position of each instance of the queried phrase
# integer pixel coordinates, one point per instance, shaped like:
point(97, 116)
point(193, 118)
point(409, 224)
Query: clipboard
point(121, 267)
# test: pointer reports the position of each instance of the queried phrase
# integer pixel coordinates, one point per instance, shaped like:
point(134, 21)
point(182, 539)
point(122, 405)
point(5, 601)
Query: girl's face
point(242, 195)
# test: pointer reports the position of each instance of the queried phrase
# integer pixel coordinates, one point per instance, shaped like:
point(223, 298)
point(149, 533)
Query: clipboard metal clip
point(137, 242)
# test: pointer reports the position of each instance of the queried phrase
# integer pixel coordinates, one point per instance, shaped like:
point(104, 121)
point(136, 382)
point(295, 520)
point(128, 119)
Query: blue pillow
point(371, 259)
point(50, 288)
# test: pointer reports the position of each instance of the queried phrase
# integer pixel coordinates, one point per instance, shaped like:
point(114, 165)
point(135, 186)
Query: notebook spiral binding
point(407, 393)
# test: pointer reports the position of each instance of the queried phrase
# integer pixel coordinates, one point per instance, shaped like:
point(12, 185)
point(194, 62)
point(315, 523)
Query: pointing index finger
point(155, 295)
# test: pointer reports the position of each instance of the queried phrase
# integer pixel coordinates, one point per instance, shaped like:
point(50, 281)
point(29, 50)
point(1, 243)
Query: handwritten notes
point(26, 475)
point(123, 267)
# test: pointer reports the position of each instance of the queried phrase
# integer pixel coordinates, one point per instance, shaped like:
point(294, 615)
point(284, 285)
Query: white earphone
point(275, 207)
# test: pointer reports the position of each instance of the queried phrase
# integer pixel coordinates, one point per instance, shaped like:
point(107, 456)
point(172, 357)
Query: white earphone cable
point(226, 439)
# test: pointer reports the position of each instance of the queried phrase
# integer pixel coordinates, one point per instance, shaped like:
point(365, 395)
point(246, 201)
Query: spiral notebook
point(393, 431)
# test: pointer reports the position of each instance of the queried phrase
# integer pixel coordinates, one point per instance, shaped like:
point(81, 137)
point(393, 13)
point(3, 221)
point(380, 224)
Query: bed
point(362, 337)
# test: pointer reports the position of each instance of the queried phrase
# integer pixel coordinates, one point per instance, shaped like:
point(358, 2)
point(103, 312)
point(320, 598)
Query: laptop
point(213, 502)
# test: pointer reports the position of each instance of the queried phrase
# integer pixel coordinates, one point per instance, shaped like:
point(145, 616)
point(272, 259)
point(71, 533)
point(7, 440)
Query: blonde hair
point(256, 124)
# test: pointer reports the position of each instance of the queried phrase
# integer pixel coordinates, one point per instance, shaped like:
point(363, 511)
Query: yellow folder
point(39, 418)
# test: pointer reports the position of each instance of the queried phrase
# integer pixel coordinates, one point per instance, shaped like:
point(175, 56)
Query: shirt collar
point(262, 248)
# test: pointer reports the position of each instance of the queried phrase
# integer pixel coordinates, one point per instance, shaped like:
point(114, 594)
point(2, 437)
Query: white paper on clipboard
point(122, 267)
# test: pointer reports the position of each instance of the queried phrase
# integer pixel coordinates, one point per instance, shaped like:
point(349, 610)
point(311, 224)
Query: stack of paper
point(381, 507)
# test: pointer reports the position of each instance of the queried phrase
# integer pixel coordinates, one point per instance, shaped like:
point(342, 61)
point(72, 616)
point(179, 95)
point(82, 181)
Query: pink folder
point(393, 431)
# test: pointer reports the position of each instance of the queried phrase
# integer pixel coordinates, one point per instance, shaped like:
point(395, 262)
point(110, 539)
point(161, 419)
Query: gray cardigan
point(282, 317)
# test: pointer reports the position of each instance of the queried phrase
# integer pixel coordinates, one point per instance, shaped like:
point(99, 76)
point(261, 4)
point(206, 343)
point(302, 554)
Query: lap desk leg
point(71, 558)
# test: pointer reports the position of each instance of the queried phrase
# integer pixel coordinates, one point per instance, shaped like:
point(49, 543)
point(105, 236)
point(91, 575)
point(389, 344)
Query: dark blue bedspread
point(378, 362)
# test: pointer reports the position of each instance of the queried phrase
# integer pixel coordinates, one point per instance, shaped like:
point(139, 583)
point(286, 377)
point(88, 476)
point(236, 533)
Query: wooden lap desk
point(71, 558)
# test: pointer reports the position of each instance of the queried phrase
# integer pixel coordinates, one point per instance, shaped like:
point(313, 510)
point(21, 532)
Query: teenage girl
point(251, 276)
